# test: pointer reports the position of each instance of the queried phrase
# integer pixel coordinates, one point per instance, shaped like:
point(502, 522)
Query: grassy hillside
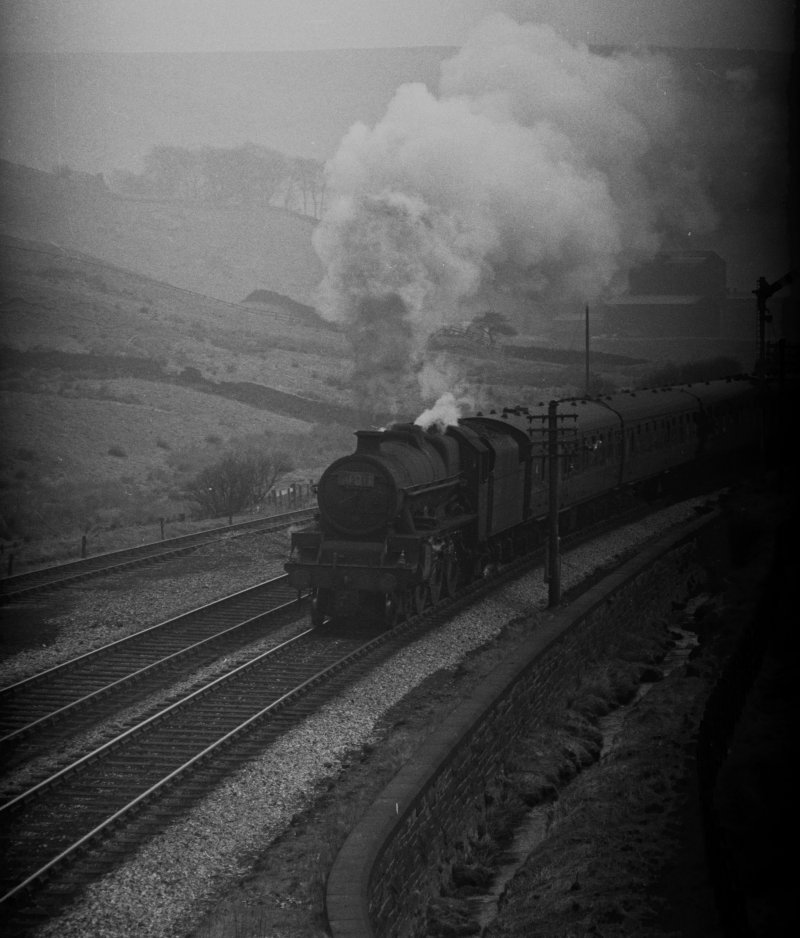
point(115, 387)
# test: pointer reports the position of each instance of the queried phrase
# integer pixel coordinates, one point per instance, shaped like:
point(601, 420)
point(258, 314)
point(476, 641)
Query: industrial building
point(678, 293)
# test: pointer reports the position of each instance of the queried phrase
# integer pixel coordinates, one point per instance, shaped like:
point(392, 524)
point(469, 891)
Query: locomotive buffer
point(556, 438)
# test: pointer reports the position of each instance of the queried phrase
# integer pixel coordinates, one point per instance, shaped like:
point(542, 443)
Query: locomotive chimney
point(369, 441)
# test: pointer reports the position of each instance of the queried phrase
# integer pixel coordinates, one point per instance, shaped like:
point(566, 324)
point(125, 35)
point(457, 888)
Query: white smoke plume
point(444, 413)
point(539, 165)
point(439, 381)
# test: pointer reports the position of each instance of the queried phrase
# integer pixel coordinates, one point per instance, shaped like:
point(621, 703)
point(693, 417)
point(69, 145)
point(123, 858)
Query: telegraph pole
point(762, 294)
point(554, 497)
point(587, 350)
point(554, 435)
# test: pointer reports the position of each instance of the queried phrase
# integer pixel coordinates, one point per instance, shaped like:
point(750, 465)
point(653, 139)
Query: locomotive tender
point(412, 513)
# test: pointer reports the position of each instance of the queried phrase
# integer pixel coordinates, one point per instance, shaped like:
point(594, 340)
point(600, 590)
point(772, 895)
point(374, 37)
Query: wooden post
point(83, 545)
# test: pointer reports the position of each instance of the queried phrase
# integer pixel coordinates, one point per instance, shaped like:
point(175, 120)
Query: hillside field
point(108, 385)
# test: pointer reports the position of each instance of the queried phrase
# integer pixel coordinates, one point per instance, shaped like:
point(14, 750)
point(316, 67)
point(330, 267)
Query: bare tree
point(236, 482)
point(494, 324)
point(306, 184)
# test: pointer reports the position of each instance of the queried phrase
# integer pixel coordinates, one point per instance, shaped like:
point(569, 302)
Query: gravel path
point(163, 890)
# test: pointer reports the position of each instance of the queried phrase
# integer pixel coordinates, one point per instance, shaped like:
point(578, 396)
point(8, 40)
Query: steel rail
point(118, 643)
point(59, 575)
point(139, 673)
point(186, 702)
point(142, 725)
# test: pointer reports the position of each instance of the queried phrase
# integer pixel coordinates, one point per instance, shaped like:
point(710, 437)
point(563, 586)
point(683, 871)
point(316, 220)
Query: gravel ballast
point(165, 888)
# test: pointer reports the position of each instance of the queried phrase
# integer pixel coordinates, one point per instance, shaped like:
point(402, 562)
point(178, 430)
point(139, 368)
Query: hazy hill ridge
point(99, 112)
point(220, 252)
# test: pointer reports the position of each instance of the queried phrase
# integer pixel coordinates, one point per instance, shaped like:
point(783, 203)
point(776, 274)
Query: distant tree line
point(247, 175)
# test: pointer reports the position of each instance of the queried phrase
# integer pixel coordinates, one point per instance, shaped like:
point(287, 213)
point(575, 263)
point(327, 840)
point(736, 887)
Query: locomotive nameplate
point(357, 480)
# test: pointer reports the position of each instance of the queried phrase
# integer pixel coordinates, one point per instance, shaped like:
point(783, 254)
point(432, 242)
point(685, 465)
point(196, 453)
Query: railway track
point(66, 829)
point(22, 586)
point(49, 826)
point(38, 713)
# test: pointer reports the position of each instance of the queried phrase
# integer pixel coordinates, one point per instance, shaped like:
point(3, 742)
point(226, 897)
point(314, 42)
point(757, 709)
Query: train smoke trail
point(439, 381)
point(539, 165)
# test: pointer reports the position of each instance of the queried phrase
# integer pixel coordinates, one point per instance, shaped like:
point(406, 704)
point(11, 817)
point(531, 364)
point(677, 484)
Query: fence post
point(83, 545)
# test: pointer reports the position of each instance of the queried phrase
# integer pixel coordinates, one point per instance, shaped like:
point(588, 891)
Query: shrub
point(117, 451)
point(192, 375)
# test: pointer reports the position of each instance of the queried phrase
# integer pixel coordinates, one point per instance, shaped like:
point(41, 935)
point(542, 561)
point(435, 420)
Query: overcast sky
point(222, 25)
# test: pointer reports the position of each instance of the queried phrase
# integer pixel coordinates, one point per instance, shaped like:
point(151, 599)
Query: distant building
point(662, 316)
point(678, 293)
point(680, 273)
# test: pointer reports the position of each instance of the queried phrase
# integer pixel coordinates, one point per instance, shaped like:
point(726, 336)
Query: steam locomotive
point(413, 513)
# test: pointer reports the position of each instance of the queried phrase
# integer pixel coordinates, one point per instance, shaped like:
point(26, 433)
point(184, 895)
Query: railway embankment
point(429, 843)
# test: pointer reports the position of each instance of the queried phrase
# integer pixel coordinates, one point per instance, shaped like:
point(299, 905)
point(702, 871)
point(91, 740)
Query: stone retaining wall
point(403, 850)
